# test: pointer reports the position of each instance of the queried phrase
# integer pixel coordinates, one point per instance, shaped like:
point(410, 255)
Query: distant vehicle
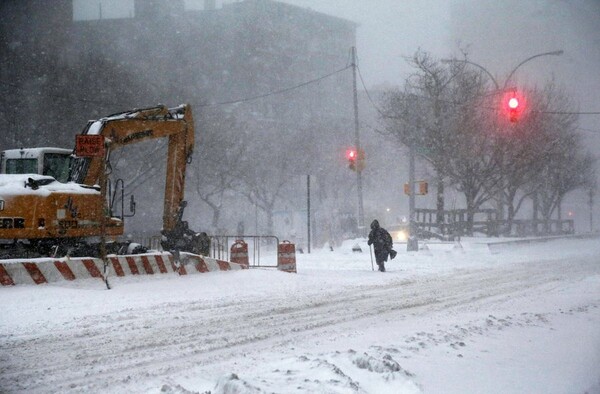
point(399, 232)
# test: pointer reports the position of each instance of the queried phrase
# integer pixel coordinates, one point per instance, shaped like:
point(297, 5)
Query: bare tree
point(219, 165)
point(561, 163)
point(419, 115)
point(264, 187)
point(440, 112)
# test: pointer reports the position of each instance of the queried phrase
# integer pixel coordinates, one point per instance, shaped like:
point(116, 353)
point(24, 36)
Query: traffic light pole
point(412, 243)
point(361, 213)
point(308, 213)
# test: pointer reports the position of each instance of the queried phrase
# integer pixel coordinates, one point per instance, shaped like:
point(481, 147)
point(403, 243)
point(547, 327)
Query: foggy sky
point(498, 35)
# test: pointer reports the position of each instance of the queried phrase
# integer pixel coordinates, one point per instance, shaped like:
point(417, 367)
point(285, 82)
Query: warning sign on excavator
point(89, 145)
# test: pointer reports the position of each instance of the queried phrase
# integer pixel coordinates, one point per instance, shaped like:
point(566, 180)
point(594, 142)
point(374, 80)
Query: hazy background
point(498, 35)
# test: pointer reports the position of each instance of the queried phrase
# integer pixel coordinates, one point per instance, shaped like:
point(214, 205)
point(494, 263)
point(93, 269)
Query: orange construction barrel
point(286, 256)
point(239, 253)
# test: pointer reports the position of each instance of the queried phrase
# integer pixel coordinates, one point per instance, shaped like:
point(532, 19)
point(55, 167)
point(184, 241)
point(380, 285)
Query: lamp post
point(498, 89)
point(361, 212)
point(553, 53)
point(489, 74)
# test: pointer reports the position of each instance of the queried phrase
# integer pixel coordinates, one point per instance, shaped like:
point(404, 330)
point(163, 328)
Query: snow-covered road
point(523, 320)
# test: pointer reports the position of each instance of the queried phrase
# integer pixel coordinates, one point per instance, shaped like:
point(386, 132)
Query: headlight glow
point(401, 235)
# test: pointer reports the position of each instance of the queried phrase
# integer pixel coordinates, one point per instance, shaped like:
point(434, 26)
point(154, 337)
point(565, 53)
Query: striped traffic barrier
point(194, 263)
point(47, 270)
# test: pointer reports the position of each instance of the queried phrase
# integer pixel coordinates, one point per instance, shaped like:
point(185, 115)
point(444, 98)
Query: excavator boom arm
point(136, 126)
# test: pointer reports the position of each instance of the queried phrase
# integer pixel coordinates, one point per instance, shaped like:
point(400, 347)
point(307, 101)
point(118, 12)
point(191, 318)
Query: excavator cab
point(52, 162)
point(38, 213)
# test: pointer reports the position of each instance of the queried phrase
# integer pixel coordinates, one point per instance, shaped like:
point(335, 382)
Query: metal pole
point(412, 244)
point(308, 211)
point(103, 211)
point(553, 53)
point(591, 205)
point(361, 214)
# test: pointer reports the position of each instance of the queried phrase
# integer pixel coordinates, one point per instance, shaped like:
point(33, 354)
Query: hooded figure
point(382, 243)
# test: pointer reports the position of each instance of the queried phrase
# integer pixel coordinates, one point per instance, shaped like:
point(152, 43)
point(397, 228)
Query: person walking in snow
point(382, 243)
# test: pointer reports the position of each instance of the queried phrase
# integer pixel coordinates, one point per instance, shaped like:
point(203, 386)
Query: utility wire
point(368, 94)
point(83, 100)
point(318, 79)
point(461, 104)
point(588, 130)
point(570, 113)
point(243, 100)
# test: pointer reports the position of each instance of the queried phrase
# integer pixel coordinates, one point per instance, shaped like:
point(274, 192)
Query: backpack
point(384, 239)
point(389, 242)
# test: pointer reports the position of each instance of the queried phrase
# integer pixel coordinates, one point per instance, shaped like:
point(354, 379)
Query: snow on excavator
point(51, 202)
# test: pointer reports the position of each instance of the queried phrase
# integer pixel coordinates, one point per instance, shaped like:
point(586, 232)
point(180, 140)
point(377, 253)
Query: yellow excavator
point(51, 200)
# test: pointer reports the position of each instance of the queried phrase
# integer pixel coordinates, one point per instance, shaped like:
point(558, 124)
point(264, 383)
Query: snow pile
point(19, 184)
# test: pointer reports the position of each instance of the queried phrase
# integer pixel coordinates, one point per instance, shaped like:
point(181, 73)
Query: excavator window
point(21, 166)
point(56, 165)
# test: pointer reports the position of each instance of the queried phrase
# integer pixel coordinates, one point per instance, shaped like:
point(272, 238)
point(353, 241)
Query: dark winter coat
point(381, 241)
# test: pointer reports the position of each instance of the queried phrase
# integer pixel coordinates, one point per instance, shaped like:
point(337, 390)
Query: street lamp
point(513, 102)
point(553, 53)
point(485, 70)
point(496, 84)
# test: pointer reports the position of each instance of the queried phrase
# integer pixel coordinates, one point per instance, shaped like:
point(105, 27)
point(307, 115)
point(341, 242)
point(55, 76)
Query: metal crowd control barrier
point(220, 247)
point(258, 245)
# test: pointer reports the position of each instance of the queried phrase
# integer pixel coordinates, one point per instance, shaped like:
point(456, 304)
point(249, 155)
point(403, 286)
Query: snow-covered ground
point(524, 319)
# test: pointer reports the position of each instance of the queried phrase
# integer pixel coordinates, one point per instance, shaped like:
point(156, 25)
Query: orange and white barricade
point(286, 256)
point(239, 253)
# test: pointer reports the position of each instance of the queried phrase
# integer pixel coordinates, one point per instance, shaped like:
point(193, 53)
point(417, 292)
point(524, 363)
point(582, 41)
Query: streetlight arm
point(553, 53)
point(476, 65)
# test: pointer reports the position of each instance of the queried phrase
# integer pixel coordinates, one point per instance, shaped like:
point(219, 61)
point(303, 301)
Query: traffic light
point(356, 159)
point(421, 188)
point(513, 109)
point(351, 155)
point(514, 104)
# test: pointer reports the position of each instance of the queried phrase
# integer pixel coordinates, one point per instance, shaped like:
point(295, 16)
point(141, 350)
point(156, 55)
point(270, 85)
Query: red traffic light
point(513, 104)
point(351, 154)
point(356, 159)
